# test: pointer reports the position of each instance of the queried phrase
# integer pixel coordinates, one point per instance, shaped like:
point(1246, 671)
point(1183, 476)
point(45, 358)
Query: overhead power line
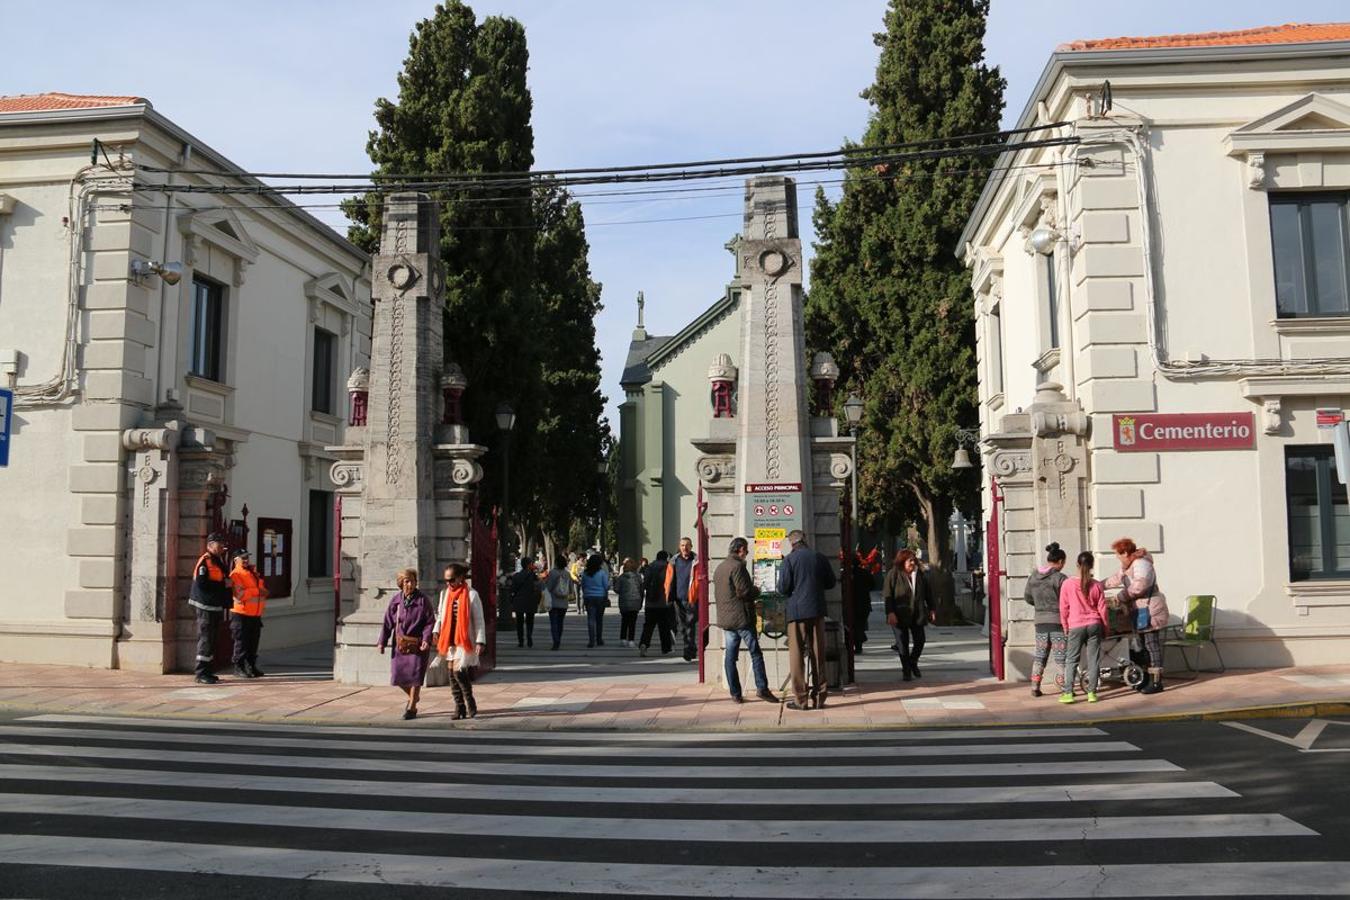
point(833, 163)
point(986, 136)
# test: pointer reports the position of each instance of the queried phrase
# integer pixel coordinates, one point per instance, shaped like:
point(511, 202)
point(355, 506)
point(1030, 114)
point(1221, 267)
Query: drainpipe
point(161, 380)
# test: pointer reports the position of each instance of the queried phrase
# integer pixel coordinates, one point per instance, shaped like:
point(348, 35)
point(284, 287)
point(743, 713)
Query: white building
point(1187, 256)
point(148, 412)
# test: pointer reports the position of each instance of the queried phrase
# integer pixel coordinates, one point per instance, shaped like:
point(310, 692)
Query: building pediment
point(331, 289)
point(1310, 124)
point(222, 229)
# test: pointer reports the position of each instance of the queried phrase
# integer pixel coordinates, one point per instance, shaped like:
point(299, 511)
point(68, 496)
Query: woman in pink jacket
point(1082, 614)
point(1139, 581)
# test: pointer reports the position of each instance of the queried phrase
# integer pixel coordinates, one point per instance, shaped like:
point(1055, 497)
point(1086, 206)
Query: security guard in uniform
point(250, 595)
point(210, 597)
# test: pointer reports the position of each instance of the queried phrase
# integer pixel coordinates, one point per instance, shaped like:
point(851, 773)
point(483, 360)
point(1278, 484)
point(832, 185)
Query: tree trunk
point(935, 511)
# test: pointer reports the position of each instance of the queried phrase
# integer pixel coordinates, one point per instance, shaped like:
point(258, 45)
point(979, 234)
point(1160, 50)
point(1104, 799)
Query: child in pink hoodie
point(1082, 613)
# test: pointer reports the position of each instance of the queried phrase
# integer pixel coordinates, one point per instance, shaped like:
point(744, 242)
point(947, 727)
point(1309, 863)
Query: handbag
point(1142, 617)
point(404, 643)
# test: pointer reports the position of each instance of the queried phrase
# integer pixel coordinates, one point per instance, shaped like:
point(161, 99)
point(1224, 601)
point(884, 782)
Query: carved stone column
point(404, 485)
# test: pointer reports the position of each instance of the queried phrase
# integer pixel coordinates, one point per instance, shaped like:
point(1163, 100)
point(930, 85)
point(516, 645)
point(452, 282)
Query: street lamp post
point(506, 420)
point(853, 411)
point(602, 469)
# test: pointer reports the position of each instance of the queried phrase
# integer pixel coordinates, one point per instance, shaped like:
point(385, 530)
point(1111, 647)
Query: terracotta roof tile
point(1293, 33)
point(54, 100)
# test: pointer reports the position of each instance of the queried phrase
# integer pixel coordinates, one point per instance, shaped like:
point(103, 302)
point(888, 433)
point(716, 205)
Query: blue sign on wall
point(6, 414)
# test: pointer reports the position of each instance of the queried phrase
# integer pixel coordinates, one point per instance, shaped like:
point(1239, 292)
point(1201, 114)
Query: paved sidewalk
point(577, 702)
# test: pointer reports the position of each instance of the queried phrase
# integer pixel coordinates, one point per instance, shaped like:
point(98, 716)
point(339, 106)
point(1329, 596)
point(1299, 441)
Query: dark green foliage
point(519, 298)
point(570, 434)
point(888, 297)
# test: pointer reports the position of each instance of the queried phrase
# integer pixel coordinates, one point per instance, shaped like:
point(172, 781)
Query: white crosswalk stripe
point(581, 813)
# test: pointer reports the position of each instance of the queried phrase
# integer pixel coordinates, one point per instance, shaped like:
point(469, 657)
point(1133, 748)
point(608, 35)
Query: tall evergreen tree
point(571, 433)
point(463, 107)
point(888, 297)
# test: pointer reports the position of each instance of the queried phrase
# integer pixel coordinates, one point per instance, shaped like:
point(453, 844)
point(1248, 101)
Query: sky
point(291, 86)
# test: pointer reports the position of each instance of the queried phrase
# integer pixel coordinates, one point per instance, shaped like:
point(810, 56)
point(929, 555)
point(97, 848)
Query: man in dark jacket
point(209, 597)
point(657, 611)
point(680, 577)
point(803, 578)
point(523, 592)
point(735, 593)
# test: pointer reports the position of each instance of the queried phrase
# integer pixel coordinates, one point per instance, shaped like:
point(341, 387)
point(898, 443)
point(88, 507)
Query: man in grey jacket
point(803, 578)
point(736, 593)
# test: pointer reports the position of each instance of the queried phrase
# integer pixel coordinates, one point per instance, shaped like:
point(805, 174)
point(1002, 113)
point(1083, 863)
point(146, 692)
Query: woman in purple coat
point(409, 620)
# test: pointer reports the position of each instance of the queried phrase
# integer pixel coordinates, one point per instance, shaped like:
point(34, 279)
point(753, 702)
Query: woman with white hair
point(409, 620)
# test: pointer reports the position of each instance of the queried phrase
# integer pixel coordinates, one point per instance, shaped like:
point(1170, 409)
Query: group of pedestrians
point(1071, 618)
point(453, 626)
point(221, 590)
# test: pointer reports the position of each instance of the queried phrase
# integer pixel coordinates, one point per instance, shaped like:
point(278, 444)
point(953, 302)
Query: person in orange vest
point(209, 598)
point(250, 596)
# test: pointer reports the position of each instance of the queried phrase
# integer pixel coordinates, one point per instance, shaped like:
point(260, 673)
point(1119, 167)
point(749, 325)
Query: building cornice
point(1062, 62)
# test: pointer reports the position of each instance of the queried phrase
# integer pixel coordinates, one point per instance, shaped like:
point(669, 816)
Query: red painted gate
point(994, 582)
point(483, 577)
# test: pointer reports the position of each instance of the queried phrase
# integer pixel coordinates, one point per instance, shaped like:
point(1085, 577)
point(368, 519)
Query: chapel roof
point(58, 100)
point(635, 369)
point(1290, 33)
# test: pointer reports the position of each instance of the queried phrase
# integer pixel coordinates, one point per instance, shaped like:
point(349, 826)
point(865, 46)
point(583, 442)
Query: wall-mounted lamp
point(172, 273)
point(1043, 239)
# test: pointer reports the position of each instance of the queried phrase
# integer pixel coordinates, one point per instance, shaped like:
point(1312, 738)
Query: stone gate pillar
point(402, 476)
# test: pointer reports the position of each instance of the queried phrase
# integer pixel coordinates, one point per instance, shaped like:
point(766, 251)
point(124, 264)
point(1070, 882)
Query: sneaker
point(1066, 697)
point(1092, 696)
point(241, 671)
point(208, 678)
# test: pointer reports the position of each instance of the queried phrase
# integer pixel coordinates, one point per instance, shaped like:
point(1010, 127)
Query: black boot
point(254, 670)
point(458, 691)
point(904, 669)
point(1155, 682)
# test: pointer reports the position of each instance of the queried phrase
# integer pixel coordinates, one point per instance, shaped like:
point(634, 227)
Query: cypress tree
point(888, 296)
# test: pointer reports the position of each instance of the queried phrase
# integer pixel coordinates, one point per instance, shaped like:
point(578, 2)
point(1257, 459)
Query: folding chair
point(1196, 631)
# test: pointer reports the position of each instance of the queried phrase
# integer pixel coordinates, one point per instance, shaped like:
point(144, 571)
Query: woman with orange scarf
point(460, 635)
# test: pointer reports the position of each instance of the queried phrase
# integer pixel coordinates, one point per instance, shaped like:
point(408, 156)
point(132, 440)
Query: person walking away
point(735, 593)
point(679, 579)
point(1082, 613)
point(209, 597)
point(250, 596)
point(862, 600)
point(1139, 583)
point(629, 588)
point(1042, 592)
point(575, 563)
point(523, 596)
point(910, 605)
point(658, 612)
point(408, 620)
point(460, 636)
point(558, 588)
point(804, 577)
point(595, 595)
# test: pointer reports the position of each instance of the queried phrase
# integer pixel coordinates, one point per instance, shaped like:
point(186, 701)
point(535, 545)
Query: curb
point(1305, 709)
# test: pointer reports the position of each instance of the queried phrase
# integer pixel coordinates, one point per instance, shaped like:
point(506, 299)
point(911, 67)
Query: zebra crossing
point(225, 807)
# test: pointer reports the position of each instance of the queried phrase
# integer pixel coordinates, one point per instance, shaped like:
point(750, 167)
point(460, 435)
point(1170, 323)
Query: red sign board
point(1151, 432)
point(1329, 418)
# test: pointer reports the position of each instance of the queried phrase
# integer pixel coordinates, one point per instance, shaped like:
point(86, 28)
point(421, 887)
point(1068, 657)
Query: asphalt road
point(166, 808)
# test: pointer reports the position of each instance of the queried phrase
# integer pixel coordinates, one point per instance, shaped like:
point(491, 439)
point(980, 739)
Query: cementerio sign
point(1151, 432)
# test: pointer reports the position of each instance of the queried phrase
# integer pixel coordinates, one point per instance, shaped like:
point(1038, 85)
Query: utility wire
point(624, 178)
point(929, 142)
point(727, 191)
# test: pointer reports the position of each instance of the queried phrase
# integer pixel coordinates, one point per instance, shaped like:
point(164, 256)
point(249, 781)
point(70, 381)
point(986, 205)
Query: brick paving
point(571, 702)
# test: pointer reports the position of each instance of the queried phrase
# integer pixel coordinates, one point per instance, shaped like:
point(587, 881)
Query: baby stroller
point(1121, 647)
